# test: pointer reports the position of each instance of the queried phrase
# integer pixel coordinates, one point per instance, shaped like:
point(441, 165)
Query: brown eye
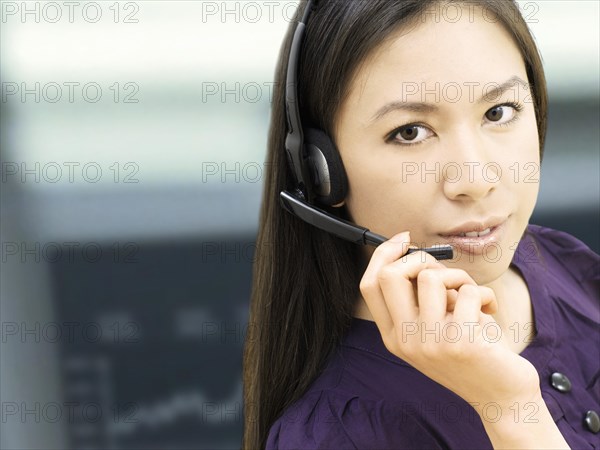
point(503, 114)
point(495, 114)
point(409, 133)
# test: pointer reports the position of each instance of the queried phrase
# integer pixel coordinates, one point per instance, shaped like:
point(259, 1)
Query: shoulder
point(358, 401)
point(330, 419)
point(367, 397)
point(570, 269)
point(561, 243)
point(564, 251)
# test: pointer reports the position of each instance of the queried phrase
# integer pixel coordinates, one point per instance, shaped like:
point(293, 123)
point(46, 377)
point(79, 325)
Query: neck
point(515, 313)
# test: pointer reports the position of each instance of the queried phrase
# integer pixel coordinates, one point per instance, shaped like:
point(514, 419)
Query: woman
point(438, 113)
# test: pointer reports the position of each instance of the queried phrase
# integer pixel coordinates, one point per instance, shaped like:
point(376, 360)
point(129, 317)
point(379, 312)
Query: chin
point(483, 272)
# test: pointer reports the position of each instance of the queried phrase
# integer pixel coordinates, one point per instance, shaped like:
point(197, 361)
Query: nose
point(470, 175)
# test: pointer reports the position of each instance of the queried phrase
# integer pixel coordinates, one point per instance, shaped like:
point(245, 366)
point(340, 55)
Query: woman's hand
point(438, 320)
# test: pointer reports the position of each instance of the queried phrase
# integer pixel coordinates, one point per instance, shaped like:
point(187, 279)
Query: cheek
point(529, 136)
point(368, 191)
point(523, 168)
point(385, 196)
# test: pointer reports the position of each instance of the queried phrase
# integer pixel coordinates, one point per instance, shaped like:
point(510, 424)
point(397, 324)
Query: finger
point(370, 288)
point(489, 303)
point(396, 281)
point(433, 285)
point(468, 304)
point(451, 296)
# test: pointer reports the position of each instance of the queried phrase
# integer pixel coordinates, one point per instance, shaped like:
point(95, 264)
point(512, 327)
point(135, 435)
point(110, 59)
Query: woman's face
point(468, 161)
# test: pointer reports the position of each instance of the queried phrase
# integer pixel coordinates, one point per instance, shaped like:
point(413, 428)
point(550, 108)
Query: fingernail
point(401, 237)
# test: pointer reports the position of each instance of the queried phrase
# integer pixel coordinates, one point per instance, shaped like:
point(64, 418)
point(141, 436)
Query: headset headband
point(294, 142)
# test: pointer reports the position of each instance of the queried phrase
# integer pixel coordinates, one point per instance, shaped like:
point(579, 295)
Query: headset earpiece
point(328, 176)
point(312, 157)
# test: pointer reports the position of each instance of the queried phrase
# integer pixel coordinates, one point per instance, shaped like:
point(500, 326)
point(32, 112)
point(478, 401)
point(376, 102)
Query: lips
point(475, 229)
point(476, 233)
point(476, 238)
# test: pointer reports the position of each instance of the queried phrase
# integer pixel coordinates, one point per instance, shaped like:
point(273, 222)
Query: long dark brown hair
point(305, 281)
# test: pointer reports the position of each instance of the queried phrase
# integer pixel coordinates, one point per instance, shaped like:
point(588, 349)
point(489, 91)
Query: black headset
point(317, 166)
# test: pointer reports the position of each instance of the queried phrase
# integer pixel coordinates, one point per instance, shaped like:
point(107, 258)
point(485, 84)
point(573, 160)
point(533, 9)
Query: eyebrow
point(420, 107)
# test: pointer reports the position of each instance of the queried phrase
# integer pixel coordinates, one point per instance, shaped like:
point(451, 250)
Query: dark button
point(560, 382)
point(592, 421)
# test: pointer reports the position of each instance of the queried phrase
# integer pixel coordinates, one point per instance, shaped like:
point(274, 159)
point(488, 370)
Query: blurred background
point(132, 144)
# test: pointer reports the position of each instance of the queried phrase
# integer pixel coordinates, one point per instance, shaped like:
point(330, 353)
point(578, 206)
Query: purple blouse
point(368, 398)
